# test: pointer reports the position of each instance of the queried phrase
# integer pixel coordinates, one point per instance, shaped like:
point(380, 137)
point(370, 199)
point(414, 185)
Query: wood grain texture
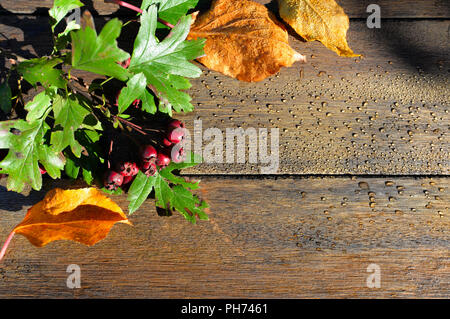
point(266, 238)
point(386, 113)
point(354, 8)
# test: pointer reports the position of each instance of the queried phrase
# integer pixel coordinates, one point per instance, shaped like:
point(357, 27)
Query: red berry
point(127, 168)
point(176, 135)
point(178, 155)
point(162, 160)
point(42, 171)
point(174, 124)
point(112, 180)
point(149, 169)
point(127, 179)
point(148, 153)
point(145, 165)
point(166, 142)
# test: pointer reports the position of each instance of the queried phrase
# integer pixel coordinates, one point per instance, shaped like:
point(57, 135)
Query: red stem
point(132, 125)
point(109, 153)
point(167, 24)
point(6, 244)
point(134, 8)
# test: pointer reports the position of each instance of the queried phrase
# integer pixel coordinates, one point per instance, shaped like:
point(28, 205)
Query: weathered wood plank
point(354, 8)
point(267, 238)
point(384, 114)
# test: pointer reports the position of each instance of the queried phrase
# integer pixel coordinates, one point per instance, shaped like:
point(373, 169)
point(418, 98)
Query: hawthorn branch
point(134, 8)
point(133, 126)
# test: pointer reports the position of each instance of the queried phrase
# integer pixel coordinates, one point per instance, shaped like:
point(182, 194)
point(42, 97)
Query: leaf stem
point(6, 244)
point(106, 81)
point(135, 127)
point(167, 24)
point(131, 7)
point(109, 152)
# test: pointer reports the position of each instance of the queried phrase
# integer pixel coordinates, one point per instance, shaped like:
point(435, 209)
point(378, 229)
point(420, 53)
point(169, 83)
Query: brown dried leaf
point(243, 40)
point(82, 215)
point(322, 20)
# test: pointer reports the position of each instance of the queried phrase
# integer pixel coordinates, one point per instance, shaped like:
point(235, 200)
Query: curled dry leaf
point(322, 20)
point(82, 215)
point(243, 40)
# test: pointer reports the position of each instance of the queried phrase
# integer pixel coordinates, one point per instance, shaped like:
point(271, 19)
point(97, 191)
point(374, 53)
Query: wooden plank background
point(379, 123)
point(315, 237)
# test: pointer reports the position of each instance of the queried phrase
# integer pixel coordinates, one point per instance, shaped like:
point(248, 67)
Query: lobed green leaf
point(171, 10)
point(165, 63)
point(99, 53)
point(41, 70)
point(27, 149)
point(69, 116)
point(134, 90)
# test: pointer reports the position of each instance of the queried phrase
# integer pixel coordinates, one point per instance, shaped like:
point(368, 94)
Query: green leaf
point(139, 190)
point(118, 191)
point(69, 114)
point(41, 70)
point(194, 159)
point(90, 161)
point(27, 149)
point(71, 26)
point(178, 180)
point(163, 192)
point(5, 97)
point(71, 168)
point(171, 10)
point(39, 105)
point(62, 39)
point(148, 102)
point(61, 8)
point(92, 123)
point(5, 134)
point(88, 177)
point(188, 204)
point(99, 54)
point(178, 197)
point(134, 90)
point(165, 62)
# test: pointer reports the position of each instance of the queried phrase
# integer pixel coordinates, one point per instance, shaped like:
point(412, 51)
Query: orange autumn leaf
point(321, 20)
point(82, 215)
point(243, 40)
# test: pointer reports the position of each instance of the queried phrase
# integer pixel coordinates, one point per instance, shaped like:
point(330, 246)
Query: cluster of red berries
point(151, 159)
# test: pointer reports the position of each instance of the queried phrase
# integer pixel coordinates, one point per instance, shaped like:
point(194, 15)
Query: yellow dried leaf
point(243, 40)
point(322, 20)
point(82, 215)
